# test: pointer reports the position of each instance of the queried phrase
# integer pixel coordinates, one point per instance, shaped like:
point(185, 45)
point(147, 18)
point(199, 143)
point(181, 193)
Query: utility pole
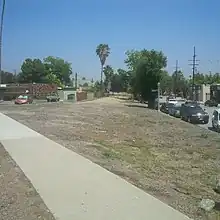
point(175, 78)
point(193, 64)
point(1, 33)
point(76, 79)
point(158, 96)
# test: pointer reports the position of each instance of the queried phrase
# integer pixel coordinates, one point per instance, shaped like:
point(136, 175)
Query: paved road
point(210, 112)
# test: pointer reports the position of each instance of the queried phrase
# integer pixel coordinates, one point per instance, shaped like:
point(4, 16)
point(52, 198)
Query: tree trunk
point(1, 31)
point(101, 81)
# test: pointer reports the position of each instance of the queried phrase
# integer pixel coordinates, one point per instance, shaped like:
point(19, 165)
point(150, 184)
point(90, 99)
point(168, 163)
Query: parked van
point(216, 120)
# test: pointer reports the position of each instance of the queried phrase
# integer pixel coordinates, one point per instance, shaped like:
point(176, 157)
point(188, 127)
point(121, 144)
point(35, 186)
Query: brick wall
point(81, 95)
point(39, 91)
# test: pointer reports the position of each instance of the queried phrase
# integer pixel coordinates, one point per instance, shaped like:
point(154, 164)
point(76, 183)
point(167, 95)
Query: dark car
point(165, 107)
point(23, 99)
point(175, 111)
point(194, 114)
point(211, 103)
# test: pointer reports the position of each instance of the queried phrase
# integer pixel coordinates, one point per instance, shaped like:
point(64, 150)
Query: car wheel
point(189, 119)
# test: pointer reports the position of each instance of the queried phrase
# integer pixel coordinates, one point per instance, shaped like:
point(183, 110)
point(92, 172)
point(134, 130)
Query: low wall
point(90, 96)
point(80, 96)
point(38, 91)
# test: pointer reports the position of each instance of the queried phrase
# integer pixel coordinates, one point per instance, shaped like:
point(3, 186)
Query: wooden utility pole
point(76, 80)
point(175, 78)
point(1, 32)
point(194, 64)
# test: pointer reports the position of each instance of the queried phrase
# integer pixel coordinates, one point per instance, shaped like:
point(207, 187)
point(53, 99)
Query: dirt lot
point(18, 198)
point(170, 159)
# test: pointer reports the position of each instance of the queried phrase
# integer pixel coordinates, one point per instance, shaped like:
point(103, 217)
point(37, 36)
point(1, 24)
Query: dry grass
point(170, 159)
point(18, 199)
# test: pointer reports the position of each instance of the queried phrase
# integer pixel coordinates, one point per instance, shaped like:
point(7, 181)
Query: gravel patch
point(18, 198)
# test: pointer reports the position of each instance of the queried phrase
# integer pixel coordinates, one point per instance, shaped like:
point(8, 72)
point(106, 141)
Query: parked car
point(193, 113)
point(165, 107)
point(173, 101)
point(53, 97)
point(23, 99)
point(211, 103)
point(175, 111)
point(216, 120)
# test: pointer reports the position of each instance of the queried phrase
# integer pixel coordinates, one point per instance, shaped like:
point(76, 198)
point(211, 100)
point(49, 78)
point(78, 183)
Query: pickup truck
point(53, 97)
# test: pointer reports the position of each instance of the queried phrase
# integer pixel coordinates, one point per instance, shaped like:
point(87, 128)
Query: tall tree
point(8, 77)
point(102, 51)
point(32, 71)
point(179, 83)
point(58, 67)
point(1, 33)
point(166, 82)
point(146, 67)
point(124, 78)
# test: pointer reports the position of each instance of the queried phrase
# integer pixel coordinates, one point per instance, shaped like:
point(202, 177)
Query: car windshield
point(177, 107)
point(196, 109)
point(172, 100)
point(22, 97)
point(170, 105)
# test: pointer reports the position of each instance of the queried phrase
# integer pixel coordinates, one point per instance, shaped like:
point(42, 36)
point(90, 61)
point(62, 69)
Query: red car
point(23, 99)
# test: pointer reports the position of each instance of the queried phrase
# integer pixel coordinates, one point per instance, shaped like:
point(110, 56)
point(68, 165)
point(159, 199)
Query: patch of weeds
point(110, 154)
point(204, 135)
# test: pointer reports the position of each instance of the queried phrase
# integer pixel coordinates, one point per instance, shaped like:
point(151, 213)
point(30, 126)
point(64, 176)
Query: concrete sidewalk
point(73, 187)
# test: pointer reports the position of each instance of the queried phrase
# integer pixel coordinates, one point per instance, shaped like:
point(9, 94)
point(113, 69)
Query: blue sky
point(71, 29)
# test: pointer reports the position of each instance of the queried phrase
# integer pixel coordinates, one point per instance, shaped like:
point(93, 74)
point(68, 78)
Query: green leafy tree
point(199, 78)
point(133, 58)
point(8, 77)
point(32, 71)
point(59, 67)
point(124, 79)
point(102, 51)
point(108, 72)
point(216, 78)
point(85, 84)
point(180, 85)
point(146, 68)
point(52, 79)
point(116, 83)
point(208, 78)
point(166, 82)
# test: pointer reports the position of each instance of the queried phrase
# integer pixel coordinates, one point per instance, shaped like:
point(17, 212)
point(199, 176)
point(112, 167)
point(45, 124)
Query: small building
point(202, 92)
point(215, 92)
point(67, 94)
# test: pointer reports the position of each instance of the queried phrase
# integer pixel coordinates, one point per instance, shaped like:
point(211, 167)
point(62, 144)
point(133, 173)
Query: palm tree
point(103, 51)
point(1, 31)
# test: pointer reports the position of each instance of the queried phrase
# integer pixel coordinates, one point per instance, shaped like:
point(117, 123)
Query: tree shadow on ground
point(217, 206)
point(136, 105)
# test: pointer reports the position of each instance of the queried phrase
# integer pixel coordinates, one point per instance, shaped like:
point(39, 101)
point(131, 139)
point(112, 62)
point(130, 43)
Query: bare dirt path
point(170, 159)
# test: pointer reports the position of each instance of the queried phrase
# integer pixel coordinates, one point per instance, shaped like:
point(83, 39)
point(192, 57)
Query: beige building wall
point(205, 92)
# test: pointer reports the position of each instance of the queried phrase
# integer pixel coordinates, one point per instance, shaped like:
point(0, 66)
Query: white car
point(216, 120)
